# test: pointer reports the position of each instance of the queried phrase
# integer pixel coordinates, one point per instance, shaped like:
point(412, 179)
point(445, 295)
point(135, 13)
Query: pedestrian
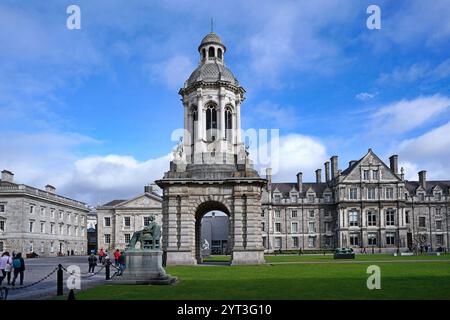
point(101, 254)
point(19, 268)
point(5, 267)
point(122, 262)
point(72, 252)
point(92, 263)
point(116, 257)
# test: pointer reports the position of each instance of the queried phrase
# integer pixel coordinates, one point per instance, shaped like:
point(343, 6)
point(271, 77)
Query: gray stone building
point(117, 220)
point(40, 221)
point(367, 205)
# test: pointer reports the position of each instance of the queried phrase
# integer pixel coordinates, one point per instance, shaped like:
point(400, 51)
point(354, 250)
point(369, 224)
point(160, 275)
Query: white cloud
point(364, 96)
point(295, 153)
point(274, 115)
point(430, 151)
point(173, 72)
point(52, 158)
point(416, 72)
point(406, 115)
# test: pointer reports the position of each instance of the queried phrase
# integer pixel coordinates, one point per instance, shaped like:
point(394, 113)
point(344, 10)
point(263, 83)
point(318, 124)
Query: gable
point(370, 162)
point(143, 201)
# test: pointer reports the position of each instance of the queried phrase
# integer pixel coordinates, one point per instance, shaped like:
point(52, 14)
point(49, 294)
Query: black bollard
point(71, 295)
point(59, 281)
point(107, 271)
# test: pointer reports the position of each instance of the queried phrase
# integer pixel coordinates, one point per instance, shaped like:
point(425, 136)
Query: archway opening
point(212, 233)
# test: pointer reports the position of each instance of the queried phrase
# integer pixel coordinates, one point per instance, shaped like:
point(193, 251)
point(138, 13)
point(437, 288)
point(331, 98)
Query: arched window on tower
point(203, 53)
point(211, 52)
point(211, 123)
point(228, 123)
point(219, 53)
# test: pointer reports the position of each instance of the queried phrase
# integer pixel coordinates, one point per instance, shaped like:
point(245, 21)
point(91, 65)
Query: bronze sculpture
point(149, 237)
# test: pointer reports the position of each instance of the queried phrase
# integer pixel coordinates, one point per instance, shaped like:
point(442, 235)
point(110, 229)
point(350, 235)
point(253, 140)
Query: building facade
point(40, 221)
point(117, 220)
point(368, 206)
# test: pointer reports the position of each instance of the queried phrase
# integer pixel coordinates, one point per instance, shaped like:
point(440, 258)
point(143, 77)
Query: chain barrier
point(4, 290)
point(31, 284)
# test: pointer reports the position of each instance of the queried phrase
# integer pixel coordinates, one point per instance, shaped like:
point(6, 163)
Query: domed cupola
point(211, 65)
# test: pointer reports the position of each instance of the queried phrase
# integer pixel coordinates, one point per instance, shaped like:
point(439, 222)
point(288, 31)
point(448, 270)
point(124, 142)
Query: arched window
point(228, 123)
point(211, 123)
point(211, 52)
point(219, 53)
point(203, 53)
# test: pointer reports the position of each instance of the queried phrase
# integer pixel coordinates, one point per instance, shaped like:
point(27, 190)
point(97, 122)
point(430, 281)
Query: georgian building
point(117, 220)
point(40, 221)
point(367, 205)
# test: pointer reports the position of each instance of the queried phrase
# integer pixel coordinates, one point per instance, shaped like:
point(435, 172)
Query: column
point(238, 121)
point(200, 122)
point(222, 116)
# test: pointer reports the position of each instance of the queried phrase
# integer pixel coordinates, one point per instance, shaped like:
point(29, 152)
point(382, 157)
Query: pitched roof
point(286, 187)
point(412, 186)
point(113, 203)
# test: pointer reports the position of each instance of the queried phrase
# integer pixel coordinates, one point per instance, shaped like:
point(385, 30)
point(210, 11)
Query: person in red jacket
point(116, 257)
point(101, 255)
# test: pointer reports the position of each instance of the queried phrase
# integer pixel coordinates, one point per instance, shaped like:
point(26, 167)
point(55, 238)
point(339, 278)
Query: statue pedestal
point(144, 267)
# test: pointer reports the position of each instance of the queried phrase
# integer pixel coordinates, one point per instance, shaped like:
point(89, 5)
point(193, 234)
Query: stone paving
point(36, 269)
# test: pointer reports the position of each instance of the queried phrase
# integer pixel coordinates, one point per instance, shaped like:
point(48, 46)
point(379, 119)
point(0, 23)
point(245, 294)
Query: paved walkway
point(36, 269)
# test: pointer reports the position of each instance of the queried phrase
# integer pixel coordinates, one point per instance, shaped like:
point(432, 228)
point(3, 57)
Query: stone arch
point(202, 207)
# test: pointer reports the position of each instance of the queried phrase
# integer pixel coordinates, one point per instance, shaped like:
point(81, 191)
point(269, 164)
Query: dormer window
point(277, 198)
point(438, 196)
point(310, 198)
point(375, 174)
point(366, 174)
point(421, 197)
point(294, 198)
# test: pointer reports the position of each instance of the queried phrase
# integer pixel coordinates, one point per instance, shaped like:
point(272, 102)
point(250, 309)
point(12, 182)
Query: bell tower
point(211, 169)
point(212, 100)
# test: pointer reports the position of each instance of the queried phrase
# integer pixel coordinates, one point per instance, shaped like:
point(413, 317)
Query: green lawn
point(412, 280)
point(318, 258)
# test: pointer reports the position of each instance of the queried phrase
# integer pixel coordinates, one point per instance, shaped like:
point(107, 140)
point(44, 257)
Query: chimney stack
point(423, 179)
point(334, 167)
point(50, 189)
point(269, 175)
point(351, 163)
point(7, 176)
point(319, 175)
point(394, 163)
point(148, 189)
point(327, 171)
point(300, 182)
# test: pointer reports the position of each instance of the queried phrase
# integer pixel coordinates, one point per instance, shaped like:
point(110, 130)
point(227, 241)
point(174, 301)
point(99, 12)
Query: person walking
point(101, 254)
point(92, 263)
point(116, 257)
point(19, 268)
point(121, 261)
point(5, 267)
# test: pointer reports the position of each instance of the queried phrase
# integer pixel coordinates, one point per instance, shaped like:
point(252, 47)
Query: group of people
point(104, 259)
point(15, 264)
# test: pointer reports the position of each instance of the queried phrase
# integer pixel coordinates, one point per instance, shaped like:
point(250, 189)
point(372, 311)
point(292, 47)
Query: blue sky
point(91, 111)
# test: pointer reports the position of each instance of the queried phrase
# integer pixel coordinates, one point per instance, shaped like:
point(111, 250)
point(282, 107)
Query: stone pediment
point(143, 201)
